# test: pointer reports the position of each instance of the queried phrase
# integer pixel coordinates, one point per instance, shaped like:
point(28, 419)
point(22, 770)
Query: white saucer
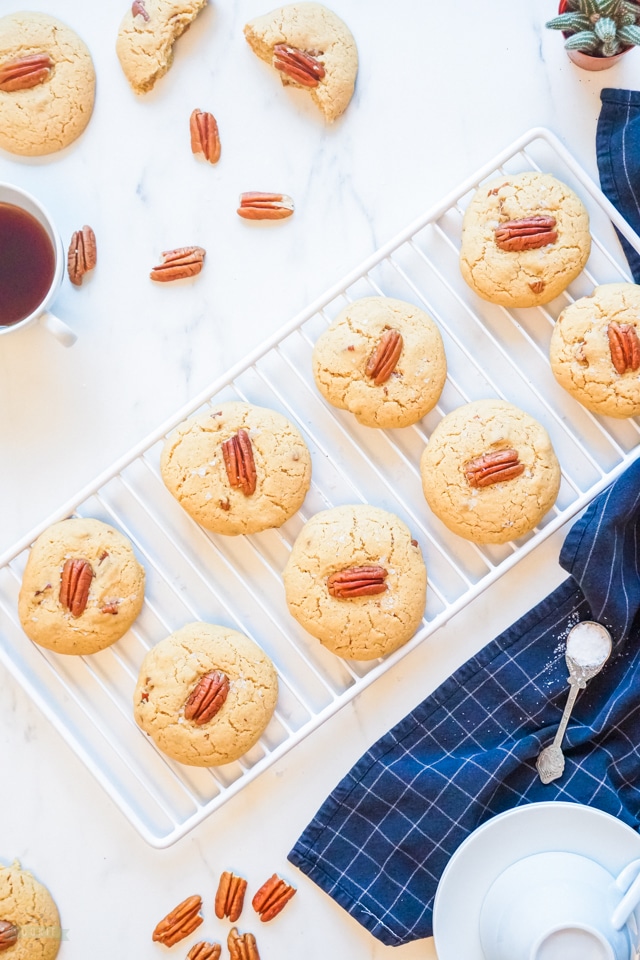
point(532, 828)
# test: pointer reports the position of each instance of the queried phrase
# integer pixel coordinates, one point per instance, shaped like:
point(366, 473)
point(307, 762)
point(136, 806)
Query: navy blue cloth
point(618, 155)
point(380, 842)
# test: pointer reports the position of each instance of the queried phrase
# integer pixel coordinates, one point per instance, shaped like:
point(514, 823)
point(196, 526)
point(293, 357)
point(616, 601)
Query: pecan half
point(357, 582)
point(272, 897)
point(138, 9)
point(265, 206)
point(207, 697)
point(624, 346)
point(239, 463)
point(242, 946)
point(8, 934)
point(82, 255)
point(493, 468)
point(384, 358)
point(180, 922)
point(74, 585)
point(526, 233)
point(205, 951)
point(205, 137)
point(178, 264)
point(230, 896)
point(25, 72)
point(537, 286)
point(301, 66)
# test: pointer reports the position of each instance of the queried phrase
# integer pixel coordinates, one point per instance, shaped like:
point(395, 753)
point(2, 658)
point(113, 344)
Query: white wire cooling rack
point(192, 574)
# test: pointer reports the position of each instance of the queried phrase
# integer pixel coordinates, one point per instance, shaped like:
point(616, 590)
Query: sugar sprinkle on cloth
point(380, 842)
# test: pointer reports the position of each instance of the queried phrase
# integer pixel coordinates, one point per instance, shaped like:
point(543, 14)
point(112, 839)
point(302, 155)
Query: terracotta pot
point(585, 60)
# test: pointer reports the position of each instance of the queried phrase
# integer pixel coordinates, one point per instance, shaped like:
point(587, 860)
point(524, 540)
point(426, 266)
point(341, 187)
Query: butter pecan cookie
point(238, 469)
point(595, 350)
point(146, 37)
point(82, 587)
point(489, 471)
point(524, 239)
point(383, 360)
point(29, 920)
point(47, 84)
point(312, 49)
point(205, 694)
point(356, 580)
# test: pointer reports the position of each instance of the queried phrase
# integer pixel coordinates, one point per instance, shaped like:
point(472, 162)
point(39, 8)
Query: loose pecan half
point(205, 951)
point(178, 264)
point(205, 137)
point(25, 72)
point(357, 582)
point(8, 934)
point(138, 9)
point(207, 697)
point(242, 946)
point(230, 896)
point(82, 255)
point(272, 897)
point(526, 233)
point(180, 922)
point(239, 463)
point(74, 585)
point(384, 358)
point(299, 65)
point(493, 468)
point(624, 346)
point(265, 206)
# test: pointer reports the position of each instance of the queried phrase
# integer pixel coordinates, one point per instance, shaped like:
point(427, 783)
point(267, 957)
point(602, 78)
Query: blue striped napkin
point(380, 842)
point(618, 155)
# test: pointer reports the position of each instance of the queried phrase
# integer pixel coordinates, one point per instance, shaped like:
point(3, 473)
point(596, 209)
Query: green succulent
point(601, 28)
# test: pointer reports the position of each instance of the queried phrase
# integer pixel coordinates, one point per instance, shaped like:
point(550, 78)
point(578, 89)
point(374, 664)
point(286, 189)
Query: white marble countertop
point(439, 93)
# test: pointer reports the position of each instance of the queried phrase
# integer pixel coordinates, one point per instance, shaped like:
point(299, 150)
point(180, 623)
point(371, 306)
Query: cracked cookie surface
point(51, 115)
point(169, 674)
point(341, 353)
point(361, 627)
point(312, 28)
point(145, 38)
point(116, 593)
point(27, 903)
point(501, 511)
point(580, 354)
point(193, 469)
point(524, 278)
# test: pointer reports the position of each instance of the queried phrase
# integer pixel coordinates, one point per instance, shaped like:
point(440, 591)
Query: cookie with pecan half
point(29, 919)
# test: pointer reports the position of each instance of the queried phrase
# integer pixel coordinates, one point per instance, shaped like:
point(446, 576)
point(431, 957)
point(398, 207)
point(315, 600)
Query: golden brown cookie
point(356, 580)
point(383, 360)
point(489, 471)
point(595, 350)
point(28, 913)
point(205, 694)
point(525, 237)
point(82, 587)
point(47, 84)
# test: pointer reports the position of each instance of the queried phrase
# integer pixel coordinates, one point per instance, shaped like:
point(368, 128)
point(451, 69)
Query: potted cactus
point(598, 32)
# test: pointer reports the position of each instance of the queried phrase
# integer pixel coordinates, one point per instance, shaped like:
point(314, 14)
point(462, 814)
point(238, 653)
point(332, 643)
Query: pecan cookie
point(82, 587)
point(238, 469)
point(146, 37)
point(489, 471)
point(29, 920)
point(595, 350)
point(357, 581)
point(205, 694)
point(47, 84)
point(524, 239)
point(311, 48)
point(383, 360)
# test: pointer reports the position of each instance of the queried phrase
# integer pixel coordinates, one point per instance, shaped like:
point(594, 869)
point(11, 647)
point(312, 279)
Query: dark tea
point(27, 264)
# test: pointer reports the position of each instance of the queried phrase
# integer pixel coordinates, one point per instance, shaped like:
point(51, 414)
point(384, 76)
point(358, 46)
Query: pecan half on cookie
point(365, 581)
point(239, 462)
point(492, 468)
point(207, 697)
point(527, 233)
point(25, 72)
point(624, 346)
point(74, 585)
point(384, 358)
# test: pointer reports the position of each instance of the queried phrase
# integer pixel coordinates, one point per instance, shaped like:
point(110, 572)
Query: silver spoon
point(588, 649)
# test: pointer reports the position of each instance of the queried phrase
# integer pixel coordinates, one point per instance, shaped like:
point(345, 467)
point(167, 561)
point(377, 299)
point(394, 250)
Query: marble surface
point(438, 94)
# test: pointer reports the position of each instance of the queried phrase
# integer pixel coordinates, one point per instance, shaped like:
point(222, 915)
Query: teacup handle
point(59, 329)
point(628, 880)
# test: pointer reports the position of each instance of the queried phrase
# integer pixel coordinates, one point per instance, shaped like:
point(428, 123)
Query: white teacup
point(561, 906)
point(38, 311)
